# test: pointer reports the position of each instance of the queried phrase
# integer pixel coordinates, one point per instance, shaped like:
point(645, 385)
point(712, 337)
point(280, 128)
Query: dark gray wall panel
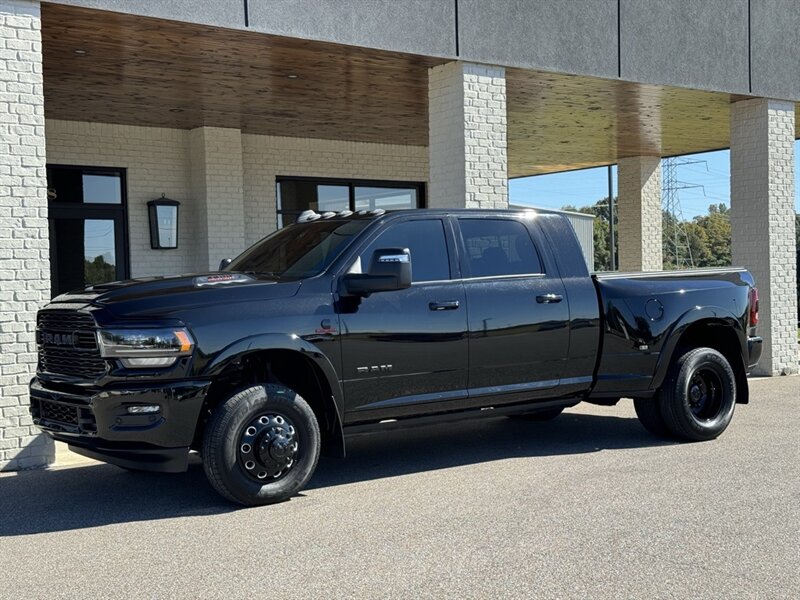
point(775, 47)
point(221, 13)
point(690, 43)
point(416, 26)
point(570, 36)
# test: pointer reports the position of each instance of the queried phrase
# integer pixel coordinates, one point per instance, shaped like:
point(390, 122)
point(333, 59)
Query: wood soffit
point(152, 72)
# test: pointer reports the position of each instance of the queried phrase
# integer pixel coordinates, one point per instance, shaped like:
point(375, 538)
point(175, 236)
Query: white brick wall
point(762, 220)
point(467, 136)
point(639, 213)
point(160, 161)
point(266, 157)
point(157, 161)
point(216, 176)
point(24, 251)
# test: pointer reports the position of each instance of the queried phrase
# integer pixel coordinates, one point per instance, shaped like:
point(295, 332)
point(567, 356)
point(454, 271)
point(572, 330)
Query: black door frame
point(116, 212)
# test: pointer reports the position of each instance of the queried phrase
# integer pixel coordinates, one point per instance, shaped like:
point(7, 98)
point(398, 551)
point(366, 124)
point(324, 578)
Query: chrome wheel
point(268, 447)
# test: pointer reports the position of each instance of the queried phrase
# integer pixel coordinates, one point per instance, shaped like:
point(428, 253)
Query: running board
point(370, 427)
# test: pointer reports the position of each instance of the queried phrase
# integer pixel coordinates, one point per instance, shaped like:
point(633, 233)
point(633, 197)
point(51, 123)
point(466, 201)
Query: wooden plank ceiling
point(145, 71)
point(113, 68)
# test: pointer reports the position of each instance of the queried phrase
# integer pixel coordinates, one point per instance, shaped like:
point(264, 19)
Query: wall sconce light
point(163, 223)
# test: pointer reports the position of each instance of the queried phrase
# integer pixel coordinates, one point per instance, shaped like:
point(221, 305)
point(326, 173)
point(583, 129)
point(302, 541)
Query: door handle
point(451, 305)
point(549, 298)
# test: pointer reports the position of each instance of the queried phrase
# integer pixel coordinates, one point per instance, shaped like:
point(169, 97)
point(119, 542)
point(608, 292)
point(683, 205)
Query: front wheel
point(698, 398)
point(261, 445)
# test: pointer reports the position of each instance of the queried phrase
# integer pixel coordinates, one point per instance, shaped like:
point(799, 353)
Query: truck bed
point(644, 315)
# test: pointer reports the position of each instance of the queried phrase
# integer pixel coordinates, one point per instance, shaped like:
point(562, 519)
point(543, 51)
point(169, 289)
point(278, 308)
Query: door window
point(497, 247)
point(85, 253)
point(425, 240)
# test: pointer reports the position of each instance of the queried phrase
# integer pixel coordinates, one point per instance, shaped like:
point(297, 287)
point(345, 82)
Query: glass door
point(88, 237)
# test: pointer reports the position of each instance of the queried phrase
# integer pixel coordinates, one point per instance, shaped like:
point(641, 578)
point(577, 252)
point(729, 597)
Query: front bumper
point(97, 423)
point(754, 348)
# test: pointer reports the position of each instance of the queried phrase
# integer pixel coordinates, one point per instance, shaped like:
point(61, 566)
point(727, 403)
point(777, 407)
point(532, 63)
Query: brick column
point(762, 221)
point(24, 245)
point(467, 136)
point(217, 188)
point(639, 214)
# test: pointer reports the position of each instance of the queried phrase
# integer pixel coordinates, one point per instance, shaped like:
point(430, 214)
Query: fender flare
point(708, 314)
point(293, 343)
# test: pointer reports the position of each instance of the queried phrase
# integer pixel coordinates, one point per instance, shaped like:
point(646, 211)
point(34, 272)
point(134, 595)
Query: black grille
point(62, 416)
point(61, 413)
point(67, 344)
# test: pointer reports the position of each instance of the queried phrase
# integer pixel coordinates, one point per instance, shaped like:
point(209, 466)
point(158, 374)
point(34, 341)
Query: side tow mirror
point(224, 263)
point(390, 270)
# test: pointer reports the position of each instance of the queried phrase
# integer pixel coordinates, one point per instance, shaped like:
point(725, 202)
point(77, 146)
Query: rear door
point(405, 351)
point(518, 309)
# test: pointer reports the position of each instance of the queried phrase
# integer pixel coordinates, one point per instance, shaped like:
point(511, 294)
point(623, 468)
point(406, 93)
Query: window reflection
point(102, 189)
point(371, 198)
point(99, 254)
point(332, 198)
point(298, 194)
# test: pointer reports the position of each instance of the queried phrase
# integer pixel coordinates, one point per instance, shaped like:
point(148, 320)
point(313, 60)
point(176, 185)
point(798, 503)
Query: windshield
point(298, 251)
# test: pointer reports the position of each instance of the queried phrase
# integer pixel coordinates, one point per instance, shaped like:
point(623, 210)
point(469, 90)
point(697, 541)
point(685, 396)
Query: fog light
point(143, 409)
point(138, 363)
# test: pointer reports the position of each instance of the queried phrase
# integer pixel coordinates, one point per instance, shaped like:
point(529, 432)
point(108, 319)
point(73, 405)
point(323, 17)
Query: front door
point(86, 213)
point(405, 351)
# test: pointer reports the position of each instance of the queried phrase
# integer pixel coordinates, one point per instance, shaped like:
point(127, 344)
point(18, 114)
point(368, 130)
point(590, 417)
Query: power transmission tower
point(677, 250)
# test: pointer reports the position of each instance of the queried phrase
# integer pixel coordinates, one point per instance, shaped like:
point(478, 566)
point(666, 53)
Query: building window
point(296, 194)
point(88, 226)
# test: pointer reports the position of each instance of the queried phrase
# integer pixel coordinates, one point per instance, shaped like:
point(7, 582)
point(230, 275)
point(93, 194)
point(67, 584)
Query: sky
point(587, 186)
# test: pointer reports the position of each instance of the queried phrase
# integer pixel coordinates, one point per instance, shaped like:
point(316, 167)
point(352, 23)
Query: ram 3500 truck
point(349, 322)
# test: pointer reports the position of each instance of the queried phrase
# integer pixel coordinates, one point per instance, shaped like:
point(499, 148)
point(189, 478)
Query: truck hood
point(163, 296)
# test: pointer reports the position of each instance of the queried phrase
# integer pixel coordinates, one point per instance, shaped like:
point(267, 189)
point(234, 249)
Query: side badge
point(374, 369)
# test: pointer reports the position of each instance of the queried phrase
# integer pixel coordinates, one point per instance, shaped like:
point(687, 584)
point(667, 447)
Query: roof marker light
point(307, 216)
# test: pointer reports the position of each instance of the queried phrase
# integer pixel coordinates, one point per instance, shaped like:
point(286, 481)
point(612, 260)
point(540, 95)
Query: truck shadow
point(96, 495)
point(430, 448)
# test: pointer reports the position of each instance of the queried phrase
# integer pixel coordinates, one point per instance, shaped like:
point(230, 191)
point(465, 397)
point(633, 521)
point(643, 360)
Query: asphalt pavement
point(587, 506)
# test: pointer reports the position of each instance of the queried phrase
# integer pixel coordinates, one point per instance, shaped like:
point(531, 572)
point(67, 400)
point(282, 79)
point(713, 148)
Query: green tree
point(602, 231)
point(669, 225)
point(98, 271)
point(716, 233)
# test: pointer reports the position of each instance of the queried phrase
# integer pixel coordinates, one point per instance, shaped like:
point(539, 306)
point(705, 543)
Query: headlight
point(143, 348)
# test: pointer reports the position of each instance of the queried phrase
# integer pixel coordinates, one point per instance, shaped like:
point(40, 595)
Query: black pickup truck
point(345, 323)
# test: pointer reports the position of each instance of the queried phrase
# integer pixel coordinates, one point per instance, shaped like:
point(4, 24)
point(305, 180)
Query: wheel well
point(723, 338)
point(286, 367)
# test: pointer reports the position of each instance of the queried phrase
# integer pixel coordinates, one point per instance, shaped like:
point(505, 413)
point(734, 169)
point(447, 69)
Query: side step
point(371, 427)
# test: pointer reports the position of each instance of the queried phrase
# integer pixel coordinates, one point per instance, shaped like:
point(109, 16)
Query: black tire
point(267, 409)
point(699, 395)
point(649, 412)
point(539, 415)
